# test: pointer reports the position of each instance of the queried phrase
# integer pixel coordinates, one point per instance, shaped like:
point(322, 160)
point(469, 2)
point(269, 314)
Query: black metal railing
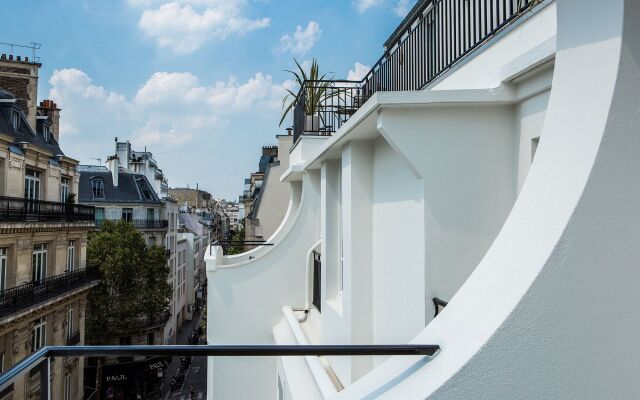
point(225, 243)
point(74, 339)
point(323, 106)
point(16, 209)
point(140, 223)
point(440, 34)
point(40, 361)
point(26, 296)
point(438, 305)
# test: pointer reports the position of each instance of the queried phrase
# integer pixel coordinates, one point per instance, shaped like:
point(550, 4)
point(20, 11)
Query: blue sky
point(198, 82)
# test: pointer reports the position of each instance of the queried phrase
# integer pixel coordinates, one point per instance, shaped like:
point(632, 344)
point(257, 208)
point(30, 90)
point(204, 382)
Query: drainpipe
point(308, 260)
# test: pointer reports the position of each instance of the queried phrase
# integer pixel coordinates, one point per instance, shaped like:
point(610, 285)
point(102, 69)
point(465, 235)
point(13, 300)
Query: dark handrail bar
point(227, 242)
point(214, 350)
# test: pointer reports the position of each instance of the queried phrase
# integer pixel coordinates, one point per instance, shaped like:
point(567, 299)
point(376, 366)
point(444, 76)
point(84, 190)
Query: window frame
point(39, 334)
point(40, 253)
point(4, 262)
point(97, 188)
point(70, 331)
point(71, 255)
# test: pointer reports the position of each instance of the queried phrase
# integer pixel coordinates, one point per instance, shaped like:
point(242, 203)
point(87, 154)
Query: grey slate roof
point(24, 132)
point(127, 191)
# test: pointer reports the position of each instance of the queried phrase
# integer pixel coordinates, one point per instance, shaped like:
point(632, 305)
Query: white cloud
point(403, 7)
point(183, 26)
point(302, 40)
point(364, 5)
point(169, 109)
point(358, 72)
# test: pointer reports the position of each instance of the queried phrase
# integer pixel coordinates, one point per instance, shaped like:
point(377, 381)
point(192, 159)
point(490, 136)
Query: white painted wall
point(245, 301)
point(552, 309)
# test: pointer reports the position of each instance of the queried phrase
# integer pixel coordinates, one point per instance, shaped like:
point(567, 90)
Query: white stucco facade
point(436, 194)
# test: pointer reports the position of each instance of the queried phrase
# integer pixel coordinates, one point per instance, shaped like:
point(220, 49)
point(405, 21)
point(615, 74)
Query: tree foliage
point(133, 286)
point(237, 236)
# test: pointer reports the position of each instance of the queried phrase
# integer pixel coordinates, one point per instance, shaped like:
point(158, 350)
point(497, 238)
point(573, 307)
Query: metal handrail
point(44, 355)
point(228, 242)
point(27, 295)
point(18, 209)
point(436, 35)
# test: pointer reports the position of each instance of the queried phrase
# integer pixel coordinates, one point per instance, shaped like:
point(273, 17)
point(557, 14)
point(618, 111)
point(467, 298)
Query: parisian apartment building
point(44, 279)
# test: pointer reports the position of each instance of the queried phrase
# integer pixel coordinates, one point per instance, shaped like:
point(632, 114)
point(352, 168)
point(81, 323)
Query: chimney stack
point(50, 109)
point(113, 163)
point(21, 79)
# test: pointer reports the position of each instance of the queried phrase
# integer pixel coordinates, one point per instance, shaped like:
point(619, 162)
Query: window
point(70, 322)
point(1, 363)
point(67, 387)
point(3, 267)
point(97, 186)
point(151, 213)
point(39, 262)
point(151, 339)
point(152, 240)
point(39, 334)
point(99, 213)
point(64, 189)
point(127, 214)
point(144, 189)
point(32, 184)
point(15, 119)
point(125, 341)
point(45, 133)
point(71, 255)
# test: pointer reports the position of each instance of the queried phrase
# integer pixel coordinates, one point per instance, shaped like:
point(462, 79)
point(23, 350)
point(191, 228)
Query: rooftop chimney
point(21, 79)
point(50, 109)
point(113, 163)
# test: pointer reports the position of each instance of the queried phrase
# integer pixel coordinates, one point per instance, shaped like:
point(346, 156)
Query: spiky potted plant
point(317, 89)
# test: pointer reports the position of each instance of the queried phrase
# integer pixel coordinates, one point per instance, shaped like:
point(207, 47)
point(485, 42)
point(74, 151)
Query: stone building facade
point(195, 199)
point(44, 281)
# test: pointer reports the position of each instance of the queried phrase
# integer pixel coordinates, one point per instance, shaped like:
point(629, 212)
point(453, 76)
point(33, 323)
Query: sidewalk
point(197, 375)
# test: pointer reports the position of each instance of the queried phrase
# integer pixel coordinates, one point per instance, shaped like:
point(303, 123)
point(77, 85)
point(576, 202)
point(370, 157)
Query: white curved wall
point(245, 301)
point(552, 310)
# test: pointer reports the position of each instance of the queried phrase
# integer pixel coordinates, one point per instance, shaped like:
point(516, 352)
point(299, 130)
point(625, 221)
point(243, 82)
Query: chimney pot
point(11, 57)
point(26, 59)
point(18, 58)
point(3, 57)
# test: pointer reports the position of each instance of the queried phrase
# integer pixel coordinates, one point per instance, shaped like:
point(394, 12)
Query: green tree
point(237, 236)
point(133, 283)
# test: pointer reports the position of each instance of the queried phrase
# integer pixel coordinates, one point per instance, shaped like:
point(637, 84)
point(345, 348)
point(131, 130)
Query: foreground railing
point(225, 243)
point(439, 35)
point(25, 296)
point(16, 209)
point(40, 361)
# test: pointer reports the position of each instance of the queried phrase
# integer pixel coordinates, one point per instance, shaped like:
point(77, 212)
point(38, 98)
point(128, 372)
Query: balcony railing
point(41, 360)
point(73, 339)
point(30, 294)
point(438, 35)
point(15, 209)
point(141, 223)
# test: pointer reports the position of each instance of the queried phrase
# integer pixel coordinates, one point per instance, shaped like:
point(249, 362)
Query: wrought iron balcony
point(436, 35)
point(15, 209)
point(73, 339)
point(28, 295)
point(40, 361)
point(141, 223)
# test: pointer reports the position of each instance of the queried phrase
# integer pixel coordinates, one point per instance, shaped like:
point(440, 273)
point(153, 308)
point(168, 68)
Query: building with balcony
point(195, 199)
point(44, 279)
point(478, 190)
point(271, 198)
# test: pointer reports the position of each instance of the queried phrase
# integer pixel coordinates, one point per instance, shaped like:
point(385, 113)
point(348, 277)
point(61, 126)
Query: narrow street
point(196, 375)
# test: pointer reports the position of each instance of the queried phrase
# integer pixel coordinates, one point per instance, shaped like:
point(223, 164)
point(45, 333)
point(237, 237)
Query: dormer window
point(144, 188)
point(15, 119)
point(46, 133)
point(97, 186)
